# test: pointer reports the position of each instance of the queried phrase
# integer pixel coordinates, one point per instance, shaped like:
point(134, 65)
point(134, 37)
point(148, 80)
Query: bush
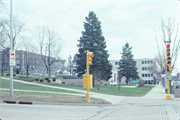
point(141, 82)
point(14, 74)
point(17, 71)
point(54, 79)
point(37, 79)
point(7, 74)
point(65, 77)
point(46, 78)
point(49, 80)
point(41, 80)
point(31, 80)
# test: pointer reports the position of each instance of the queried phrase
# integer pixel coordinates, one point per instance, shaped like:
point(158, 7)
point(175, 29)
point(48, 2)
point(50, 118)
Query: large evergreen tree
point(93, 40)
point(127, 66)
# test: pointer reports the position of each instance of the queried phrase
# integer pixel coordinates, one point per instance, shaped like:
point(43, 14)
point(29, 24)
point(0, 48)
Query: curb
point(49, 103)
point(17, 102)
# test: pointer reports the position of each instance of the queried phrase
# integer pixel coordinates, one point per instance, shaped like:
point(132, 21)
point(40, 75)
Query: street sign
point(12, 54)
point(12, 58)
point(12, 62)
point(168, 76)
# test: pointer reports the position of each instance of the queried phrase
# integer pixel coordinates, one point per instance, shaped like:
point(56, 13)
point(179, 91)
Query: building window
point(115, 63)
point(145, 62)
point(145, 68)
point(148, 61)
point(151, 75)
point(142, 75)
point(148, 75)
point(142, 62)
point(142, 68)
point(148, 68)
point(151, 62)
point(145, 75)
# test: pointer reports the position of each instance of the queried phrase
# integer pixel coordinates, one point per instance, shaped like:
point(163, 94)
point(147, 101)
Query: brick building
point(31, 61)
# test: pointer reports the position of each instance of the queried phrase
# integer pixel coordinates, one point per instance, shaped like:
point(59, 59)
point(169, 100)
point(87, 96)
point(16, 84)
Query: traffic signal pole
point(168, 74)
point(88, 95)
point(87, 79)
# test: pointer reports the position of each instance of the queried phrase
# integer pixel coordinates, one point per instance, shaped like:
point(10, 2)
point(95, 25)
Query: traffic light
point(169, 69)
point(168, 58)
point(89, 58)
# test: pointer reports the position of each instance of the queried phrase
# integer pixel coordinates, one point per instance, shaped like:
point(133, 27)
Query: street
point(127, 109)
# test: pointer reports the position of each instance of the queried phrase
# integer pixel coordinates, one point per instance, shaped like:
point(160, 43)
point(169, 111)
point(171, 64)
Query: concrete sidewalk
point(156, 93)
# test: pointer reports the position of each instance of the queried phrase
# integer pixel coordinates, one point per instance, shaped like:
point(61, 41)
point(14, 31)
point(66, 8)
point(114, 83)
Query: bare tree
point(169, 32)
point(50, 46)
point(17, 28)
point(29, 57)
point(97, 79)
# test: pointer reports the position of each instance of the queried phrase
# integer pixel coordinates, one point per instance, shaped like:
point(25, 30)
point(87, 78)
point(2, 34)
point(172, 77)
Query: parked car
point(134, 82)
point(177, 84)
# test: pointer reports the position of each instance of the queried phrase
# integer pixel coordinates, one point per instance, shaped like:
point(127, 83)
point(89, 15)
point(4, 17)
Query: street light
point(70, 58)
point(0, 60)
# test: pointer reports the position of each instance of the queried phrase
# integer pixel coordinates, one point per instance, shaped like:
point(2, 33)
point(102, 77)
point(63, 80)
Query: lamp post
point(0, 60)
point(70, 58)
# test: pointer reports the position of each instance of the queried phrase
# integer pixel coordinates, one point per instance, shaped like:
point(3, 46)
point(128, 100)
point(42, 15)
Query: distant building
point(35, 61)
point(144, 70)
point(178, 76)
point(72, 67)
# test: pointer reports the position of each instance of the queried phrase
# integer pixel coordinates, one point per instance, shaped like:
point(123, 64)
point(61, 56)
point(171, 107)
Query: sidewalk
point(156, 93)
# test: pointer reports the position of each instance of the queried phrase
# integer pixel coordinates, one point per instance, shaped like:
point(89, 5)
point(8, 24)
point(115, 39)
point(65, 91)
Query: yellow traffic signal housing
point(169, 69)
point(89, 58)
point(85, 81)
point(168, 58)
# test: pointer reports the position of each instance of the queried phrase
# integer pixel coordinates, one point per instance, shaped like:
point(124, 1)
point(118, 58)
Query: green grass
point(23, 86)
point(48, 97)
point(107, 89)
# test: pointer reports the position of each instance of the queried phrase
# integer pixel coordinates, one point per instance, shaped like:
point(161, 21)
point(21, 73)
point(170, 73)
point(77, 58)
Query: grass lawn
point(42, 97)
point(108, 89)
point(23, 86)
point(47, 97)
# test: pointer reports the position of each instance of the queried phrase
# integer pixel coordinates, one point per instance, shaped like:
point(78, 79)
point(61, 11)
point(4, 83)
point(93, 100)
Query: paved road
point(153, 105)
point(80, 112)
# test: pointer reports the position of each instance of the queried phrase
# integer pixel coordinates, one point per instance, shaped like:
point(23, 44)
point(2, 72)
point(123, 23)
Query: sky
point(135, 22)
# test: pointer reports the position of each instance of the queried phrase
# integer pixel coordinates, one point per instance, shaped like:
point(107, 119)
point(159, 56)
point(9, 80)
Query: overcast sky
point(134, 22)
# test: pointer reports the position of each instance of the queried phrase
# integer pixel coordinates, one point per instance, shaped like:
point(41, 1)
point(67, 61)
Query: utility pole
point(11, 67)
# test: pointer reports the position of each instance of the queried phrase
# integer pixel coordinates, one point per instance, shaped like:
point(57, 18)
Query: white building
point(144, 70)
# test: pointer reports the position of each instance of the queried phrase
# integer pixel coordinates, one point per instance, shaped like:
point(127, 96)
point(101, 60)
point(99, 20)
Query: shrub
point(49, 80)
point(46, 78)
point(141, 82)
point(65, 77)
point(17, 71)
point(41, 80)
point(7, 74)
point(31, 80)
point(54, 79)
point(37, 79)
point(14, 74)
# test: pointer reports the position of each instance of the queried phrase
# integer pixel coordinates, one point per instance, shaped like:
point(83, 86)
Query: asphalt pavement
point(153, 105)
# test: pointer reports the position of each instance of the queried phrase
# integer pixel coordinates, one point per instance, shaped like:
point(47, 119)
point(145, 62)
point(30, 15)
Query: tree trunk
point(49, 72)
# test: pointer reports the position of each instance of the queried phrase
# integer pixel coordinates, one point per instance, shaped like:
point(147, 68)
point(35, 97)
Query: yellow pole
point(168, 96)
point(168, 87)
point(87, 95)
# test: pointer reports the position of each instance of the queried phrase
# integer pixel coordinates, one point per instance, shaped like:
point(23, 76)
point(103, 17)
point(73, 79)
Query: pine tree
point(127, 66)
point(93, 40)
